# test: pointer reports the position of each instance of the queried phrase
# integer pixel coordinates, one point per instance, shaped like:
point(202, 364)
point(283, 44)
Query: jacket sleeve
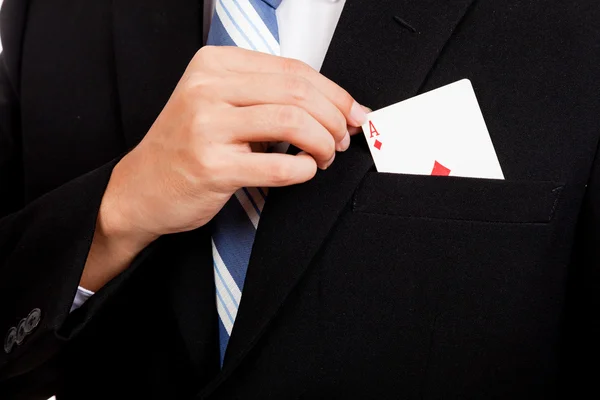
point(43, 250)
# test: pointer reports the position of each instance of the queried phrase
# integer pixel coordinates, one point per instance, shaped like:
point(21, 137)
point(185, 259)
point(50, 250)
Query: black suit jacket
point(360, 285)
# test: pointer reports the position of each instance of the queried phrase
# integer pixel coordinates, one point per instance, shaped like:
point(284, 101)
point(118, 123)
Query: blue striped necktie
point(250, 24)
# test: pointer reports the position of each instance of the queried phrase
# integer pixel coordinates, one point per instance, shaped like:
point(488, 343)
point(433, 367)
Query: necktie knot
point(249, 24)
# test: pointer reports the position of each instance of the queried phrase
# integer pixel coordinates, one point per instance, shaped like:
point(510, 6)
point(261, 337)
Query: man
point(136, 167)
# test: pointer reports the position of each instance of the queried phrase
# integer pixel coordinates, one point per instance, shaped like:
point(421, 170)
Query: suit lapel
point(154, 42)
point(189, 287)
point(380, 61)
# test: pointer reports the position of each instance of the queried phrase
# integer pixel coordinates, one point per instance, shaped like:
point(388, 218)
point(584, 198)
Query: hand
point(205, 143)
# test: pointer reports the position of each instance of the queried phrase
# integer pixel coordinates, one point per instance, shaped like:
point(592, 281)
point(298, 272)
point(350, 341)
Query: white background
point(0, 51)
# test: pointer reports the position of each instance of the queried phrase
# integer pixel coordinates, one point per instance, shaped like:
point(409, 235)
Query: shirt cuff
point(81, 297)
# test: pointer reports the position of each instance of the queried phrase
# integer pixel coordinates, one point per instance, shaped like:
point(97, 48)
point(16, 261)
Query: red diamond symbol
point(440, 170)
point(377, 144)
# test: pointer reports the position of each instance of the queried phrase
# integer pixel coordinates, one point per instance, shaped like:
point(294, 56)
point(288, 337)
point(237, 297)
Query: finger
point(245, 61)
point(249, 89)
point(353, 130)
point(273, 170)
point(280, 123)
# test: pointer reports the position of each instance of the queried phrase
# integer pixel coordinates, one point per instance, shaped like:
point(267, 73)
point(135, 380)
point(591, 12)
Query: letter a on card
point(373, 129)
point(377, 144)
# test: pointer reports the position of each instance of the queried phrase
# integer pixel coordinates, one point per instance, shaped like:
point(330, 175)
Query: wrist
point(116, 231)
point(119, 215)
point(115, 245)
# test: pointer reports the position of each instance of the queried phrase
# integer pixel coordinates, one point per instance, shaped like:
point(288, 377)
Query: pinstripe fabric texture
point(252, 25)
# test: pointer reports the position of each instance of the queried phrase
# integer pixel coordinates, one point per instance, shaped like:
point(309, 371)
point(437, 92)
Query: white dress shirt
point(306, 28)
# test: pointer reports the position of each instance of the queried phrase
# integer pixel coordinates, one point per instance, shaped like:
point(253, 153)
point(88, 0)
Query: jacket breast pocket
point(454, 198)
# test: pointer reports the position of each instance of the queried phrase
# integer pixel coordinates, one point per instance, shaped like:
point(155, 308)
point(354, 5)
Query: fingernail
point(328, 164)
point(358, 114)
point(344, 144)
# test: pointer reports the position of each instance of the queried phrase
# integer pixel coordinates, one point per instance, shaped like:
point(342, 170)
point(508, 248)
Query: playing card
point(441, 132)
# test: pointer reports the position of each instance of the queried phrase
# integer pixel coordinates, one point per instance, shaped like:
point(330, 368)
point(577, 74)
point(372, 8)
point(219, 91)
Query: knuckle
point(203, 55)
point(328, 148)
point(323, 147)
point(201, 123)
point(294, 67)
point(206, 52)
point(209, 57)
point(192, 88)
point(280, 174)
point(290, 117)
point(298, 88)
point(203, 86)
point(344, 99)
point(340, 126)
point(209, 165)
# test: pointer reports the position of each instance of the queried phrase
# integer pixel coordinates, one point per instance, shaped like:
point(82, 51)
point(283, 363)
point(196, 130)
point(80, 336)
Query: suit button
point(10, 340)
point(21, 331)
point(33, 320)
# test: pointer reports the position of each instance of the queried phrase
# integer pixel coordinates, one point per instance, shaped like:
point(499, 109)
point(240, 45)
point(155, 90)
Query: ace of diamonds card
point(441, 132)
